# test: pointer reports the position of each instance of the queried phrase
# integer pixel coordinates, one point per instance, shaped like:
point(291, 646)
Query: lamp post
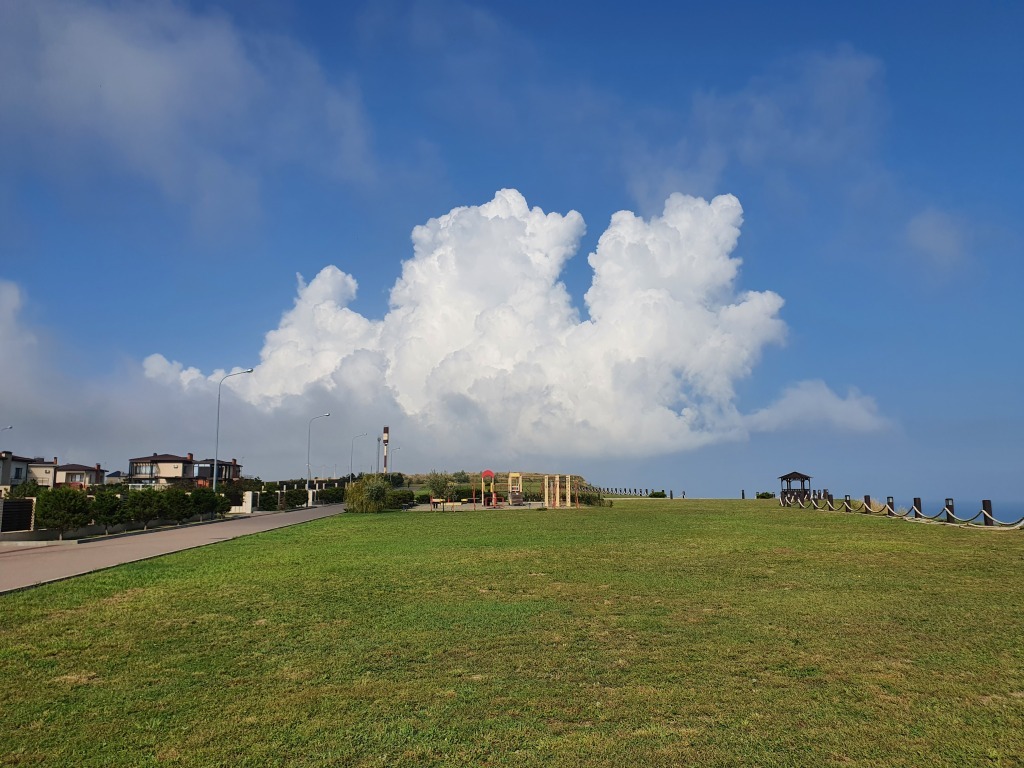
point(309, 438)
point(379, 438)
point(216, 443)
point(394, 450)
point(352, 453)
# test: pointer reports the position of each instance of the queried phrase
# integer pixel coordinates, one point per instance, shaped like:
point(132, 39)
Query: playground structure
point(487, 476)
point(555, 494)
point(515, 489)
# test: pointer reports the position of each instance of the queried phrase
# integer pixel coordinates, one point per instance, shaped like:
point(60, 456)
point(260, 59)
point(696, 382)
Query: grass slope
point(657, 632)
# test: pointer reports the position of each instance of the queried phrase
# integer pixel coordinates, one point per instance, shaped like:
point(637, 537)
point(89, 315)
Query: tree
point(439, 483)
point(62, 509)
point(107, 509)
point(28, 489)
point(142, 506)
point(206, 501)
point(368, 495)
point(177, 505)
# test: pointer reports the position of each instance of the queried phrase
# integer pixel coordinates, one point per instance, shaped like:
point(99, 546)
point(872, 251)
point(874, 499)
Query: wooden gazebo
point(803, 492)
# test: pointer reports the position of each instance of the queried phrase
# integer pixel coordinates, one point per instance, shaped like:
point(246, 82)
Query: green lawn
point(712, 633)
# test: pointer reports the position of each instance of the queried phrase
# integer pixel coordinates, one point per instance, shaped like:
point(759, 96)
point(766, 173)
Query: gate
point(15, 515)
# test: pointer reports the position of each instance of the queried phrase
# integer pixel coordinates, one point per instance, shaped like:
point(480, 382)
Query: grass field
point(654, 633)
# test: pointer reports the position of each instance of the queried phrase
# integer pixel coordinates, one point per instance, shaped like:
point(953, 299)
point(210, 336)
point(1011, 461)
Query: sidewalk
point(24, 567)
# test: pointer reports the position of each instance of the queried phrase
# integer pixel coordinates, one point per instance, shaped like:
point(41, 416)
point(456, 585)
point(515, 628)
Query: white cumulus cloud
point(482, 344)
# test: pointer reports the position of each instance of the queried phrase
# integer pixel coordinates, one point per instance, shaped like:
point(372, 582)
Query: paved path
point(22, 567)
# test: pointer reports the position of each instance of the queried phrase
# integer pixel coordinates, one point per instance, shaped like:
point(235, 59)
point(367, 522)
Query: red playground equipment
point(485, 477)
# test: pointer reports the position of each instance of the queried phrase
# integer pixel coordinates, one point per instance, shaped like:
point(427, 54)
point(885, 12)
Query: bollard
point(743, 494)
point(917, 507)
point(867, 505)
point(846, 503)
point(890, 504)
point(949, 511)
point(986, 508)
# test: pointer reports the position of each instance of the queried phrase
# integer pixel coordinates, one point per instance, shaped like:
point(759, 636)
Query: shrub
point(295, 497)
point(269, 501)
point(657, 495)
point(177, 505)
point(28, 489)
point(142, 506)
point(369, 494)
point(62, 509)
point(398, 498)
point(206, 501)
point(107, 509)
point(765, 495)
point(423, 497)
point(332, 495)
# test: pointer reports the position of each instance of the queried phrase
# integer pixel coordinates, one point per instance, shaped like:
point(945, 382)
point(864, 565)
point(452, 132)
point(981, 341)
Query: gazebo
point(803, 492)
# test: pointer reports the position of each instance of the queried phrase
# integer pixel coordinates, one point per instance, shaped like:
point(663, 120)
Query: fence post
point(890, 504)
point(867, 505)
point(846, 504)
point(917, 507)
point(986, 508)
point(949, 511)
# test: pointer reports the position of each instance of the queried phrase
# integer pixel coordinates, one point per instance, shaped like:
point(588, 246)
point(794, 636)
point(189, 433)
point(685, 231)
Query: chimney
point(189, 457)
point(98, 467)
point(54, 459)
point(234, 461)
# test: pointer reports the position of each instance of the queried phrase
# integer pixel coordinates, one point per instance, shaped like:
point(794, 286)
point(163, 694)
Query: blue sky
point(167, 170)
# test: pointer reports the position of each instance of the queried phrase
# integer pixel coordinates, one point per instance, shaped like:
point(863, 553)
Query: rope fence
point(947, 515)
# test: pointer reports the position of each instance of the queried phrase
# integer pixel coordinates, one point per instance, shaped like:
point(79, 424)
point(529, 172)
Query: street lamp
point(379, 438)
point(394, 450)
point(216, 443)
point(351, 473)
point(309, 437)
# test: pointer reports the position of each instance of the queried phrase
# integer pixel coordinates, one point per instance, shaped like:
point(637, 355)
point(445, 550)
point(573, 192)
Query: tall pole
point(393, 450)
point(216, 442)
point(352, 453)
point(309, 440)
point(378, 454)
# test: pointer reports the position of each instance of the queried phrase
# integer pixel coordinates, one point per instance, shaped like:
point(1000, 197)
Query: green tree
point(369, 494)
point(207, 502)
point(177, 504)
point(62, 509)
point(143, 505)
point(439, 484)
point(28, 489)
point(107, 509)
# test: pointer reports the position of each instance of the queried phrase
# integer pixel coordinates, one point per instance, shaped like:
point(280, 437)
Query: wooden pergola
point(803, 492)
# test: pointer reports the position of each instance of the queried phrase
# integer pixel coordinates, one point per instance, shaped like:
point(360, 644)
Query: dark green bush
point(657, 495)
point(331, 495)
point(107, 509)
point(268, 501)
point(765, 495)
point(62, 509)
point(398, 498)
point(423, 497)
point(296, 497)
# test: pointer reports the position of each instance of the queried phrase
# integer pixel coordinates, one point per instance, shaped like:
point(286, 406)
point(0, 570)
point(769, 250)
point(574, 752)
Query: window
point(18, 473)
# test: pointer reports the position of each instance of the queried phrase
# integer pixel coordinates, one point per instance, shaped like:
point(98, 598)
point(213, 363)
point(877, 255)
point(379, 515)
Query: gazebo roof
point(795, 476)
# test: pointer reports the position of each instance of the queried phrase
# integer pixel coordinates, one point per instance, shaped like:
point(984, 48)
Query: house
point(227, 471)
point(80, 476)
point(161, 469)
point(43, 472)
point(112, 478)
point(13, 469)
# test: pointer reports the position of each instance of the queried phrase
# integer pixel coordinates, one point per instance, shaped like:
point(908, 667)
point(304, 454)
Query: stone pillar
point(568, 490)
point(547, 487)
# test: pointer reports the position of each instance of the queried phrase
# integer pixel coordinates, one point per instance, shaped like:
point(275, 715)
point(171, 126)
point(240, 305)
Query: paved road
point(22, 567)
